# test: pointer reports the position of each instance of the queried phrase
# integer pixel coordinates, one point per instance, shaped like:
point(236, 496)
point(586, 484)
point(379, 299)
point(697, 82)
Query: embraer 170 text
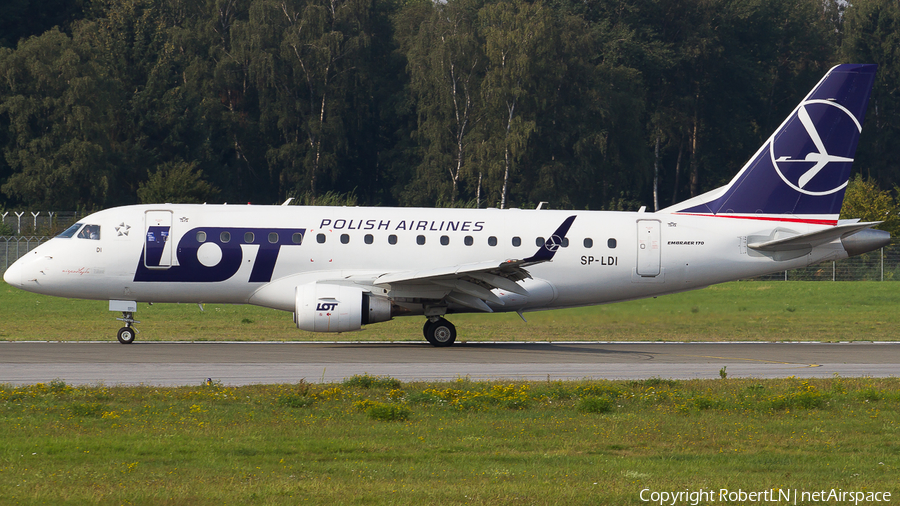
point(339, 268)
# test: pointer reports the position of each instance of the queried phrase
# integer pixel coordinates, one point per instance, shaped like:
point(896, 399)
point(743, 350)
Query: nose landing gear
point(127, 333)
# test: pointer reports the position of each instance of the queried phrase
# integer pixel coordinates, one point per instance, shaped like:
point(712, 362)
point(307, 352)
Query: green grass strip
point(739, 311)
point(375, 440)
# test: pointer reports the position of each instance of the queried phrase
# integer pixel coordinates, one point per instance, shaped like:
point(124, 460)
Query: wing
point(472, 285)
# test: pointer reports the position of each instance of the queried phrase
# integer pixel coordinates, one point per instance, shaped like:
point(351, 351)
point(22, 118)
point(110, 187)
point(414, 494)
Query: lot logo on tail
point(820, 138)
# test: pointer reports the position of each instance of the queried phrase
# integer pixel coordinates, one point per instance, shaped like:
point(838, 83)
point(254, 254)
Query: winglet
point(546, 252)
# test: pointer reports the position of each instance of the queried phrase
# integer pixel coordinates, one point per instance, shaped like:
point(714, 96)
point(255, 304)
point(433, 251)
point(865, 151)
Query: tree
point(56, 100)
point(20, 19)
point(864, 200)
point(307, 51)
point(872, 35)
point(446, 67)
point(519, 42)
point(177, 183)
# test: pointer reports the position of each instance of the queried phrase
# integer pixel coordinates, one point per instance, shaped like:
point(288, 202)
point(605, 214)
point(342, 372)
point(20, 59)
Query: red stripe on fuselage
point(765, 218)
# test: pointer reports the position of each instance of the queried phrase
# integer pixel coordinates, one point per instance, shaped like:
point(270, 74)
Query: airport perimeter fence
point(35, 223)
point(879, 265)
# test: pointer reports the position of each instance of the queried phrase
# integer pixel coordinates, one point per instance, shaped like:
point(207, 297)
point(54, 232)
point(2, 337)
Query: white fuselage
point(231, 254)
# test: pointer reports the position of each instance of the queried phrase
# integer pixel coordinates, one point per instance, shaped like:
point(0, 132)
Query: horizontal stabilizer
point(812, 239)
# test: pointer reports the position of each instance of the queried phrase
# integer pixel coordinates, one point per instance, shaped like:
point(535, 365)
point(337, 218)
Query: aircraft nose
point(13, 275)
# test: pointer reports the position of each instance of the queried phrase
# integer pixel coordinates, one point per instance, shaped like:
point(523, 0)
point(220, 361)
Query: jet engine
point(322, 307)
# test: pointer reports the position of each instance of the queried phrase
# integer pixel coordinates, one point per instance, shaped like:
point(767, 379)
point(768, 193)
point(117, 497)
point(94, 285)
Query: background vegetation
point(602, 104)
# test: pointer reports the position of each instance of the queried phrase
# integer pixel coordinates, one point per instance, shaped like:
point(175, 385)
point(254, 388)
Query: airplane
point(338, 269)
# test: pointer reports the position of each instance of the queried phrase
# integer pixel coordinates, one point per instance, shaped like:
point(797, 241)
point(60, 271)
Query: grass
point(738, 311)
point(376, 440)
point(462, 442)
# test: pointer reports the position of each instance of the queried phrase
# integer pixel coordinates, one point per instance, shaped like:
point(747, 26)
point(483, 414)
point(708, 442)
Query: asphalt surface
point(191, 363)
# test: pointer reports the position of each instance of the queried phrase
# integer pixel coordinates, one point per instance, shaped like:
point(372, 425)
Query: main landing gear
point(127, 333)
point(439, 332)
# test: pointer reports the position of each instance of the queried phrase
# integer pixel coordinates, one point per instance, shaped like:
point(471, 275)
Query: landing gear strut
point(439, 332)
point(127, 333)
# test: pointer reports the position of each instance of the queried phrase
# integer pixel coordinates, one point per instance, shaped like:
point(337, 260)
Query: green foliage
point(329, 198)
point(594, 405)
point(20, 19)
point(176, 183)
point(87, 409)
point(871, 33)
point(496, 103)
point(387, 412)
point(295, 401)
point(805, 396)
point(864, 200)
point(59, 387)
point(601, 390)
point(702, 402)
point(464, 397)
point(367, 381)
point(655, 382)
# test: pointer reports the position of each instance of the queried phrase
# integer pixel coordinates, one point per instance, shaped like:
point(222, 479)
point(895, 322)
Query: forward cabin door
point(158, 246)
point(648, 253)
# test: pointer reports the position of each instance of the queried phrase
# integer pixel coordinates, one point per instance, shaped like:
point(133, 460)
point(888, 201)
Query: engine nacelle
point(338, 308)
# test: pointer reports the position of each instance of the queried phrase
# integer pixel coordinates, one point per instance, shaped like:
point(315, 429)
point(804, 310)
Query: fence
point(878, 265)
point(12, 248)
point(36, 223)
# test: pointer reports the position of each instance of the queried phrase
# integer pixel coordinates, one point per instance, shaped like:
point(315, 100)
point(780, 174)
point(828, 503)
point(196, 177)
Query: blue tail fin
point(800, 173)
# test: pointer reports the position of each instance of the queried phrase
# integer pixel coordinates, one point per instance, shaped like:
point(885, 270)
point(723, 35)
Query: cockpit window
point(90, 232)
point(70, 231)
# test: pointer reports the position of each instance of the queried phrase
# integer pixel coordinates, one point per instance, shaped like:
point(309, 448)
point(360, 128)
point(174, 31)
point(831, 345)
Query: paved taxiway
point(187, 363)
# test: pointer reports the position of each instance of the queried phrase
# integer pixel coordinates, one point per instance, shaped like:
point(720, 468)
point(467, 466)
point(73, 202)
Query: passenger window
point(539, 242)
point(492, 241)
point(468, 240)
point(297, 238)
point(320, 238)
point(249, 237)
point(201, 236)
point(517, 241)
point(420, 240)
point(369, 239)
point(392, 239)
point(565, 242)
point(225, 237)
point(90, 232)
point(273, 237)
point(345, 239)
point(445, 240)
point(588, 242)
point(611, 243)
